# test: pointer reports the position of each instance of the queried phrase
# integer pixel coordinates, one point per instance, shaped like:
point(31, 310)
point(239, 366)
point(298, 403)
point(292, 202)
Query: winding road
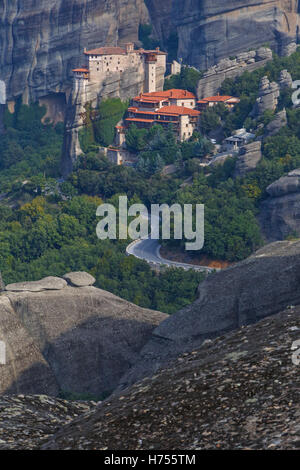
point(148, 250)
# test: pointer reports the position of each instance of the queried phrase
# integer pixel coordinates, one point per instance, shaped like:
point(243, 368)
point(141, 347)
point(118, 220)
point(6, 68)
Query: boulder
point(48, 283)
point(267, 97)
point(249, 157)
point(279, 215)
point(288, 49)
point(235, 392)
point(285, 80)
point(262, 285)
point(279, 121)
point(83, 339)
point(79, 279)
point(264, 53)
point(285, 185)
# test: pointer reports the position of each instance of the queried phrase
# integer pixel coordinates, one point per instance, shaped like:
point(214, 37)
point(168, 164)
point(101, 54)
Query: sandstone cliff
point(259, 286)
point(41, 42)
point(239, 391)
point(75, 339)
point(279, 215)
point(211, 30)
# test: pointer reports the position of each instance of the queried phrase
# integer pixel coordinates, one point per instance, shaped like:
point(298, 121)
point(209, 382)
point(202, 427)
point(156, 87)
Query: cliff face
point(245, 293)
point(40, 42)
point(280, 213)
point(213, 29)
point(60, 337)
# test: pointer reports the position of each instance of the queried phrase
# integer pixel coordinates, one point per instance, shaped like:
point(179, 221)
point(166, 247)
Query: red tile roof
point(138, 111)
point(178, 111)
point(106, 51)
point(168, 94)
point(216, 99)
point(140, 120)
point(81, 70)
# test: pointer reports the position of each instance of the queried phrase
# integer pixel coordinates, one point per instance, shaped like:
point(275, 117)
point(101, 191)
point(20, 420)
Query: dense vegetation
point(42, 239)
point(29, 147)
point(100, 123)
point(187, 79)
point(157, 147)
point(150, 43)
point(52, 230)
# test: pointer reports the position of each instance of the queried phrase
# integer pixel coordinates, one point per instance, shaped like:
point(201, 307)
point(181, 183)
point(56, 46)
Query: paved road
point(148, 250)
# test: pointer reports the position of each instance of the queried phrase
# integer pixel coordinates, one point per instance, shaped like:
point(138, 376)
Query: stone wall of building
point(108, 84)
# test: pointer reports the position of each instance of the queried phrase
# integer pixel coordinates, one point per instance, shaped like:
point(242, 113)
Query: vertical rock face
point(214, 29)
point(280, 214)
point(78, 339)
point(285, 80)
point(40, 42)
point(267, 97)
point(249, 157)
point(213, 78)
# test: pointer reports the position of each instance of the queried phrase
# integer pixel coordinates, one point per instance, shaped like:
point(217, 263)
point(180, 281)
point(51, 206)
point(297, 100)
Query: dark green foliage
point(99, 128)
point(28, 146)
point(145, 31)
point(187, 79)
point(41, 239)
point(109, 113)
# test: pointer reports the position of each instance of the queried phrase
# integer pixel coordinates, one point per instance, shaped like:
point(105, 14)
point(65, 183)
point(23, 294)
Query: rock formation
point(267, 97)
point(26, 421)
point(125, 85)
point(248, 158)
point(239, 391)
point(279, 121)
point(285, 80)
point(41, 42)
point(60, 337)
point(280, 214)
point(211, 30)
point(255, 288)
point(213, 78)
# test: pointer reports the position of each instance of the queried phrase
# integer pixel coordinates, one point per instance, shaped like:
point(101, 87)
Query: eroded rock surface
point(48, 283)
point(259, 286)
point(28, 420)
point(279, 215)
point(239, 391)
point(78, 340)
point(249, 157)
point(267, 97)
point(41, 42)
point(279, 121)
point(79, 279)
